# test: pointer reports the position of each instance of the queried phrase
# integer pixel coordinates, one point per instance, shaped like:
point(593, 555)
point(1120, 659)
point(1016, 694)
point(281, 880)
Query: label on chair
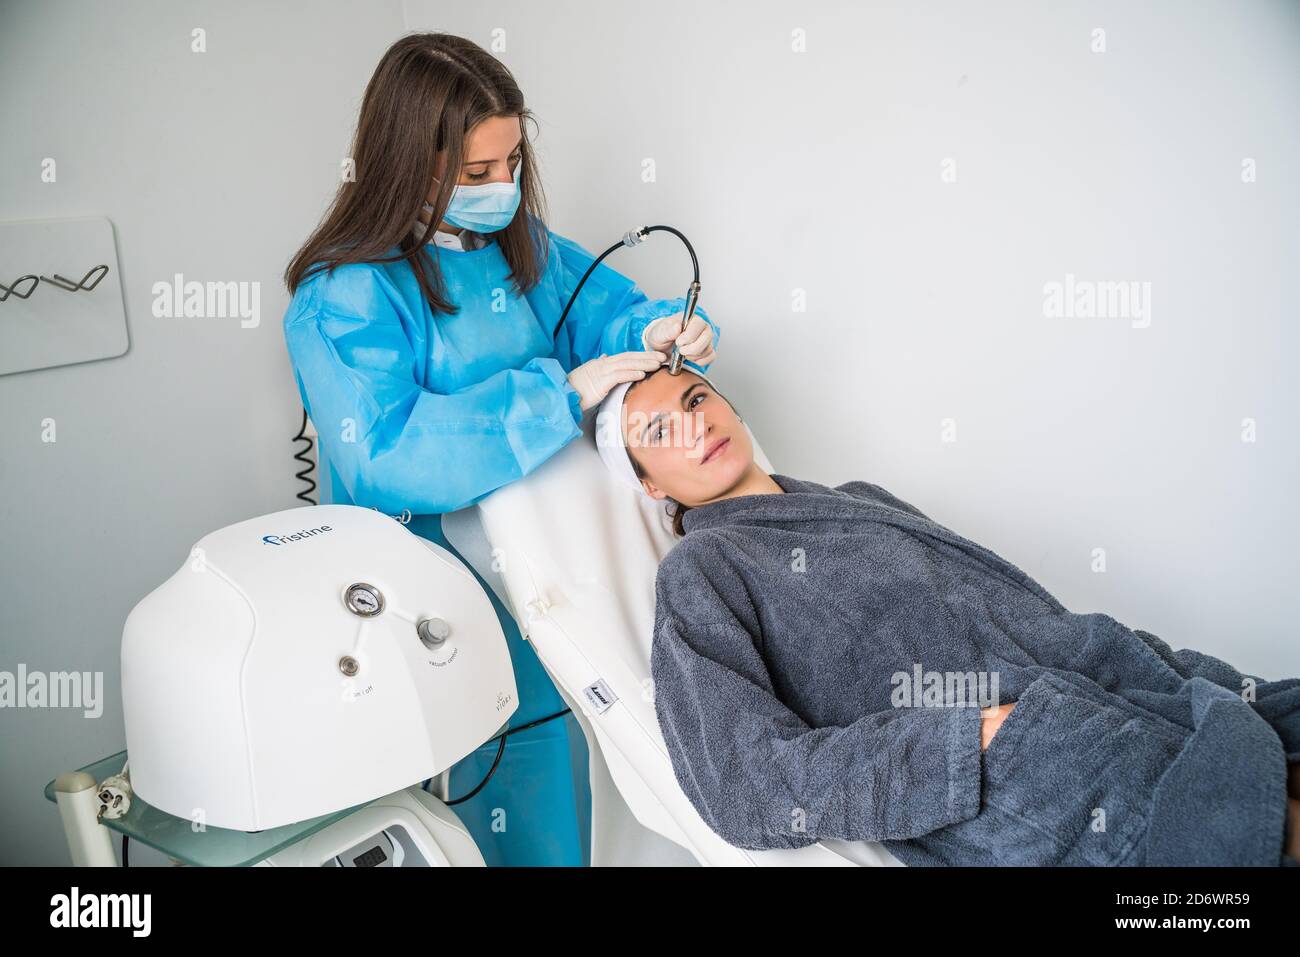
point(600, 696)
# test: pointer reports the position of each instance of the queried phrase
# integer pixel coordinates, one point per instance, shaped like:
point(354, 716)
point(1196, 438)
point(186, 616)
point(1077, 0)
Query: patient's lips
point(714, 450)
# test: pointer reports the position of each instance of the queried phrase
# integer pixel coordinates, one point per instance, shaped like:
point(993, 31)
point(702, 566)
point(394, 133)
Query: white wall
point(817, 171)
point(212, 165)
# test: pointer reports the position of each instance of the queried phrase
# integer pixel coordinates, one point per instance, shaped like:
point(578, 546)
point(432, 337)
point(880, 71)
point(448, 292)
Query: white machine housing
point(239, 706)
point(408, 829)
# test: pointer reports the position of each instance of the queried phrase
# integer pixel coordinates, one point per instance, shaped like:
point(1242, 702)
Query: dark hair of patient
point(677, 508)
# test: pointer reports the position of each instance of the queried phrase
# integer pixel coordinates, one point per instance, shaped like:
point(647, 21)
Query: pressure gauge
point(364, 600)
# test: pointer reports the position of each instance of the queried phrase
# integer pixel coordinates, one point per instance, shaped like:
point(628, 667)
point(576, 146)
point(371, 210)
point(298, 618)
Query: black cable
point(578, 288)
point(535, 723)
point(646, 230)
point(125, 855)
point(309, 465)
point(500, 751)
point(695, 263)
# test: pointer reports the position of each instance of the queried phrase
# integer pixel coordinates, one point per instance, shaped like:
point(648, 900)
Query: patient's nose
point(695, 431)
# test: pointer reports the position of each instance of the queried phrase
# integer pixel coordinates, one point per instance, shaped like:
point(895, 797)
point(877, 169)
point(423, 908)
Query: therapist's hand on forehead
point(593, 380)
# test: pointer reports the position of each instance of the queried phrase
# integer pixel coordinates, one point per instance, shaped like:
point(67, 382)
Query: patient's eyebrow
point(659, 415)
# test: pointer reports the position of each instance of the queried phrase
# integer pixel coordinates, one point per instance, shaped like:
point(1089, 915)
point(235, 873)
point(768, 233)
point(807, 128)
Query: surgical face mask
point(484, 209)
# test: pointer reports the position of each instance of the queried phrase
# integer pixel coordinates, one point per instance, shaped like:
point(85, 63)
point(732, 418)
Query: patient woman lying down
point(824, 663)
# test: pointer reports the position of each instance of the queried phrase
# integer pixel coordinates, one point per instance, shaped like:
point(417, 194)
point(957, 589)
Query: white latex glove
point(695, 343)
point(594, 379)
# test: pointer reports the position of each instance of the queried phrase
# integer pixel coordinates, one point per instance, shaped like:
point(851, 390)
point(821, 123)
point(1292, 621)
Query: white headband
point(609, 431)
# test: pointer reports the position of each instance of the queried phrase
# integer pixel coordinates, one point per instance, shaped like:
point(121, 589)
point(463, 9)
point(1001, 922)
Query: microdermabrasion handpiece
point(692, 297)
point(634, 237)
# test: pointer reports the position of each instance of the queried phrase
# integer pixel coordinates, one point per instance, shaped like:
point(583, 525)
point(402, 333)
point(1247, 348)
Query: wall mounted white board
point(54, 326)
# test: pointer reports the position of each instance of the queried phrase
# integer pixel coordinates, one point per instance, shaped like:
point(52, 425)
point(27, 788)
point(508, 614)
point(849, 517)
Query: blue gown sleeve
point(760, 776)
point(396, 445)
point(611, 313)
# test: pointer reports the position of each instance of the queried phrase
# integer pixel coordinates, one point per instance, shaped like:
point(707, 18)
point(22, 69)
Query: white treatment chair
point(573, 554)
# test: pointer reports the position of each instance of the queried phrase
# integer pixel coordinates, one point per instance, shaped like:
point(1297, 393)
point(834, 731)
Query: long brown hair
point(677, 509)
point(428, 91)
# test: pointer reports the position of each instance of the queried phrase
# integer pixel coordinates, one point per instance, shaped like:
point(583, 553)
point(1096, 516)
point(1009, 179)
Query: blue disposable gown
point(432, 414)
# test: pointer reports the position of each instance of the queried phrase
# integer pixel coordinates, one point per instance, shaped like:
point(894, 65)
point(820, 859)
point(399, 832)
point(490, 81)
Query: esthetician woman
point(420, 335)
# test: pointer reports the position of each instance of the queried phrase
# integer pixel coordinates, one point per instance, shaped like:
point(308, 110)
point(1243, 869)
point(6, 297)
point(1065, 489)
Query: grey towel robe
point(782, 622)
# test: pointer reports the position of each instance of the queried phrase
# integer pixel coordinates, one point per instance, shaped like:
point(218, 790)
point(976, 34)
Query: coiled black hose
point(303, 456)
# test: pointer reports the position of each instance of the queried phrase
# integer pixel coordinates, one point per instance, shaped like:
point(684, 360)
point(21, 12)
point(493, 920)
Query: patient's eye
point(657, 436)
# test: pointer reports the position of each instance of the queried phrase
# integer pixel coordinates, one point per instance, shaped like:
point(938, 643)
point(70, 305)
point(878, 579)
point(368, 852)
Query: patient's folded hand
point(992, 720)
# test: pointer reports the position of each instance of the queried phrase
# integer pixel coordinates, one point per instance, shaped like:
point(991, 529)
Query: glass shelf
point(212, 847)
